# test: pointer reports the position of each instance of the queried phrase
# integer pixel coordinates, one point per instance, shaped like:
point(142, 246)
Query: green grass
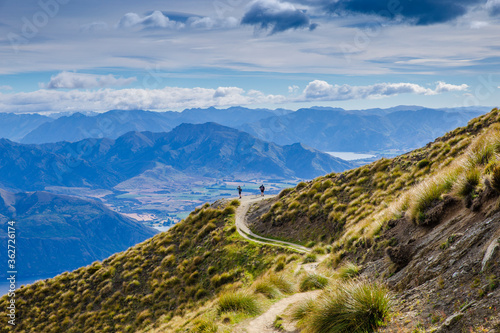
point(282, 282)
point(204, 326)
point(238, 302)
point(266, 288)
point(353, 307)
point(466, 184)
point(309, 258)
point(313, 282)
point(302, 310)
point(348, 271)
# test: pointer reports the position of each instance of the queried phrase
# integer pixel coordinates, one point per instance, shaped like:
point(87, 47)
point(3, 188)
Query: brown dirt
point(435, 269)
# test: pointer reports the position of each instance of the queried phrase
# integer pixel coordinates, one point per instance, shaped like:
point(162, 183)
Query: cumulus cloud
point(5, 87)
point(159, 20)
point(443, 87)
point(277, 16)
point(167, 98)
point(321, 90)
point(71, 80)
point(423, 12)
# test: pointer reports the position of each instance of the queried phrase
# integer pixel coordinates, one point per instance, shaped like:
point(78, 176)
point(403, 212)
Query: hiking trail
point(264, 322)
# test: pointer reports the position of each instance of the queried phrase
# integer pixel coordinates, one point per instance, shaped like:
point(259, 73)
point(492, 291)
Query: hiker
point(262, 188)
point(239, 190)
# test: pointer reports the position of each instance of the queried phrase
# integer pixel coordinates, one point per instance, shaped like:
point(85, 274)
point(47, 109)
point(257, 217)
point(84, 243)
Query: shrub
point(303, 310)
point(285, 192)
point(238, 302)
point(423, 163)
point(184, 244)
point(354, 307)
point(423, 196)
point(310, 257)
point(229, 210)
point(495, 177)
point(319, 250)
point(312, 282)
point(348, 271)
point(467, 183)
point(280, 263)
point(301, 185)
point(281, 282)
point(266, 288)
point(204, 326)
point(235, 203)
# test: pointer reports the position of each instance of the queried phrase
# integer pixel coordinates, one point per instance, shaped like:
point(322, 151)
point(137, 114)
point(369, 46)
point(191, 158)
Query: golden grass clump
point(238, 302)
point(351, 307)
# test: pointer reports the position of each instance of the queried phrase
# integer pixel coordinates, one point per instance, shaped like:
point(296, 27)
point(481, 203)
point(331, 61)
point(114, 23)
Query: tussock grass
point(282, 282)
point(266, 288)
point(204, 326)
point(347, 271)
point(495, 177)
point(467, 182)
point(352, 307)
point(424, 195)
point(238, 302)
point(310, 257)
point(313, 282)
point(302, 310)
point(273, 285)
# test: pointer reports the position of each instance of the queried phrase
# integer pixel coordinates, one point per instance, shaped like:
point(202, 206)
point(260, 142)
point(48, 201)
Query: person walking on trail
point(239, 190)
point(262, 189)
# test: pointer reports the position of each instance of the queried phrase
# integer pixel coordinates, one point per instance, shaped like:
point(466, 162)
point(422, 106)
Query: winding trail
point(264, 322)
point(245, 232)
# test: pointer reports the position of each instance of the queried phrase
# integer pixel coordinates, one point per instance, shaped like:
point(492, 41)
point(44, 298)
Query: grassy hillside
point(324, 209)
point(167, 275)
point(425, 225)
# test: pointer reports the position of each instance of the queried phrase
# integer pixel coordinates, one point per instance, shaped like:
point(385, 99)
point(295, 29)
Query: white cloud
point(5, 88)
point(443, 87)
point(158, 20)
point(155, 20)
point(478, 24)
point(322, 90)
point(169, 98)
point(71, 80)
point(175, 98)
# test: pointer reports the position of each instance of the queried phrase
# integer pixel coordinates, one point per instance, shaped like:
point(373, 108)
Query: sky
point(75, 55)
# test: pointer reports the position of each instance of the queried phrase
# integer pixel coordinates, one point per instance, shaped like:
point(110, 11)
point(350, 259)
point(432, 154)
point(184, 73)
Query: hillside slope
point(57, 233)
point(168, 275)
point(426, 223)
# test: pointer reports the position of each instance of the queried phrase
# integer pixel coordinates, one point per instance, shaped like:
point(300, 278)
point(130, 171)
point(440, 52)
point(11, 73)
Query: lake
point(349, 156)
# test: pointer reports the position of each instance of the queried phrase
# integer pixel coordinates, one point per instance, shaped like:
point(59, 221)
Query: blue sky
point(73, 55)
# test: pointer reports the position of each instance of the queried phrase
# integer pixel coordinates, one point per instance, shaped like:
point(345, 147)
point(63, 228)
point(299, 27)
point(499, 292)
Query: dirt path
point(245, 232)
point(264, 323)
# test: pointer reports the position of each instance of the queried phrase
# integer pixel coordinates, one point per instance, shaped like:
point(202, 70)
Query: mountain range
point(337, 130)
point(57, 233)
point(328, 129)
point(206, 150)
point(115, 123)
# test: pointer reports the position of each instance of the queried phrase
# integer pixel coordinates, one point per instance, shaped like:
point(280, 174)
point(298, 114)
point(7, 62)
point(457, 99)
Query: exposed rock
point(491, 253)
